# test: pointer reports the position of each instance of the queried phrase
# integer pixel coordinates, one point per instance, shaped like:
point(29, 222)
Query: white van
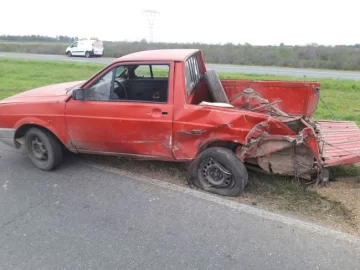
point(87, 48)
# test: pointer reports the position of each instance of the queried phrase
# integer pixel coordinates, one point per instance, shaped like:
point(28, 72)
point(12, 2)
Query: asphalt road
point(83, 216)
point(219, 68)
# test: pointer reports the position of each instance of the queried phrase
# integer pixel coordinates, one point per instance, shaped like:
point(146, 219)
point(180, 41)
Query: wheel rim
point(87, 54)
point(39, 150)
point(211, 173)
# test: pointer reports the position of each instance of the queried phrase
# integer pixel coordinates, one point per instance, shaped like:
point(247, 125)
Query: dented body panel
point(293, 98)
point(266, 123)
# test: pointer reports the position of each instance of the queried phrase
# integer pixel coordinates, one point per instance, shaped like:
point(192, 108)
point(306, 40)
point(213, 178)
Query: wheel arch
point(219, 143)
point(22, 128)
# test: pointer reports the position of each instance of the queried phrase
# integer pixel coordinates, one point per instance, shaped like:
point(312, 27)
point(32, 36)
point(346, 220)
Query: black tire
point(215, 87)
point(87, 54)
point(39, 141)
point(69, 54)
point(212, 161)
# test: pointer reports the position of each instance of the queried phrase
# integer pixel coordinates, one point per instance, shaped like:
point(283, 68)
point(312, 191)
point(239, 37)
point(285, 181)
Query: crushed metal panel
point(339, 142)
point(296, 160)
point(269, 147)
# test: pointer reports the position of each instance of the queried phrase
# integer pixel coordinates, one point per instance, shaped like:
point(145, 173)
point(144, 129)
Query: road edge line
point(312, 227)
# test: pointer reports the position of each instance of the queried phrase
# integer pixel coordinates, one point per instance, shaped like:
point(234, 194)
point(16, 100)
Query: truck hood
point(52, 92)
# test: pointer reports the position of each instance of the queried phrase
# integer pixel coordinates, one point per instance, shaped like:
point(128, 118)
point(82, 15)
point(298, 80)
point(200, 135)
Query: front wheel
point(87, 55)
point(44, 150)
point(69, 54)
point(218, 170)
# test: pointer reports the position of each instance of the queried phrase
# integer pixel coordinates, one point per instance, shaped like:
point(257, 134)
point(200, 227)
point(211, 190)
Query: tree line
point(34, 38)
point(342, 57)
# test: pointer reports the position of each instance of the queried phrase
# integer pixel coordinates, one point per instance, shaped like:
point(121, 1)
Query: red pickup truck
point(165, 105)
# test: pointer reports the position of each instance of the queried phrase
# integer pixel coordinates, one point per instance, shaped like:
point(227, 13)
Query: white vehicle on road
point(87, 48)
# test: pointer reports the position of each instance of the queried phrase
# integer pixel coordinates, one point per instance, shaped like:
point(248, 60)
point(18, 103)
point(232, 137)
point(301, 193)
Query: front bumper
point(7, 136)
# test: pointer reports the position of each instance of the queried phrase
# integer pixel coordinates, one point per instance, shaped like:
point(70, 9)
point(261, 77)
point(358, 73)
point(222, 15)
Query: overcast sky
point(259, 22)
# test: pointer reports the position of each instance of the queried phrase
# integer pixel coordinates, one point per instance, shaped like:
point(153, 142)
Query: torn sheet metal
point(196, 127)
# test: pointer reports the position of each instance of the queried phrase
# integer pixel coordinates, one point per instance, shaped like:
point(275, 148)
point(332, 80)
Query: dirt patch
point(336, 206)
point(345, 189)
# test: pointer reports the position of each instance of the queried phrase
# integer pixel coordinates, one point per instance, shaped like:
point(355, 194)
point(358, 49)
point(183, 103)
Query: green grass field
point(19, 75)
point(341, 96)
point(279, 193)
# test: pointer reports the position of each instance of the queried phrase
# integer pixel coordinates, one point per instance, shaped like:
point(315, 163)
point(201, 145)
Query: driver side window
point(101, 89)
point(132, 83)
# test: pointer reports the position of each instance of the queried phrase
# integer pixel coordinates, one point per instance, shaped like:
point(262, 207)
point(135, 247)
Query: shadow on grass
point(345, 171)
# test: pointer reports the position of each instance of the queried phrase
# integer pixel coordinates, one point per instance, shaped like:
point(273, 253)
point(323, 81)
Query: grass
point(274, 193)
point(19, 75)
point(288, 195)
point(345, 171)
point(341, 96)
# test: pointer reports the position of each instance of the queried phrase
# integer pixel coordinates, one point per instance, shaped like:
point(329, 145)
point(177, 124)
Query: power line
point(150, 15)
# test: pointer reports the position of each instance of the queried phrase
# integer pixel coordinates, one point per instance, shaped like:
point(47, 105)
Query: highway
point(88, 216)
point(314, 73)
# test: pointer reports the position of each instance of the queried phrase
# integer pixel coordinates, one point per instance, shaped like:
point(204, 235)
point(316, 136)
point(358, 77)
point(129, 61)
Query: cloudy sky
point(259, 22)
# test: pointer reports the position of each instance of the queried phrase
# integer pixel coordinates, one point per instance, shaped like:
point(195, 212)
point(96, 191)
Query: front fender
point(60, 134)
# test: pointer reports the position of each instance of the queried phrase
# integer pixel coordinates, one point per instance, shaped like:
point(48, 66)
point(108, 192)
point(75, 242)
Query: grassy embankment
point(330, 206)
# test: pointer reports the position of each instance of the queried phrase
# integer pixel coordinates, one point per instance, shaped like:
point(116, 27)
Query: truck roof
point(159, 55)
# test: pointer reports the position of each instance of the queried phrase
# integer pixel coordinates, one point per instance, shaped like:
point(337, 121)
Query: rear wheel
point(218, 170)
point(87, 54)
point(44, 150)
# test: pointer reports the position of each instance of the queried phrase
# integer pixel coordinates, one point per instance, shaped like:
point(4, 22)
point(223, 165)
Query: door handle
point(157, 112)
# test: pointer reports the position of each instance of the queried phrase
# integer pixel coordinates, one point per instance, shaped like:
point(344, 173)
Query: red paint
point(295, 98)
point(50, 94)
point(173, 55)
point(179, 129)
point(340, 142)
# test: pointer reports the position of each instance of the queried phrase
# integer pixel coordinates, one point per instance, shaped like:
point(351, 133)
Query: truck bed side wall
point(296, 98)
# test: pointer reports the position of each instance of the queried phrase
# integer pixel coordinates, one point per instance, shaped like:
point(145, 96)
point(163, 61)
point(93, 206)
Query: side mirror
point(78, 94)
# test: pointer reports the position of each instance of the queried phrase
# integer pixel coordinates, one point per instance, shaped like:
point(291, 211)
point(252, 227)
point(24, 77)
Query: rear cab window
point(193, 73)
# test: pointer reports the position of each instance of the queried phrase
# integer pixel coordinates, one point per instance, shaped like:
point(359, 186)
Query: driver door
point(74, 49)
point(103, 123)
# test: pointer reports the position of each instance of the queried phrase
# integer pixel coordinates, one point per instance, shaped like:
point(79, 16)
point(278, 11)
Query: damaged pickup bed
point(165, 105)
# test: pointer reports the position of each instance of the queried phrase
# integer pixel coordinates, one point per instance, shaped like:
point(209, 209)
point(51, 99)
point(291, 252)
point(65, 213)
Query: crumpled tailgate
point(339, 142)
